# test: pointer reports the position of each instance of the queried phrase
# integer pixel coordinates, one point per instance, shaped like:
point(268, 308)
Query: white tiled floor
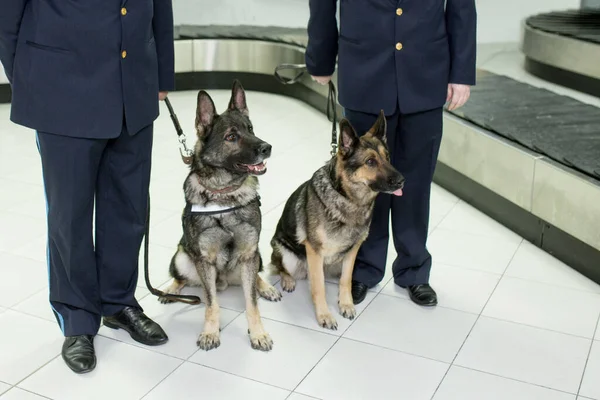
point(513, 322)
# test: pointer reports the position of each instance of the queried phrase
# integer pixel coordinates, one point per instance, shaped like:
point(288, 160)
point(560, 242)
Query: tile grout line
point(496, 318)
point(475, 323)
point(446, 216)
point(314, 330)
point(163, 379)
point(515, 380)
point(29, 391)
point(34, 372)
point(588, 357)
point(334, 344)
point(495, 237)
point(305, 395)
point(240, 313)
point(237, 376)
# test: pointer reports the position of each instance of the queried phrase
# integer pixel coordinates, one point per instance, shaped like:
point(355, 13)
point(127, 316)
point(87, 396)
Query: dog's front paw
point(327, 321)
point(270, 293)
point(261, 341)
point(288, 283)
point(208, 341)
point(347, 311)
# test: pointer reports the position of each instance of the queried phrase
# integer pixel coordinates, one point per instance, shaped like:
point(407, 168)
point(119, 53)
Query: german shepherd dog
point(222, 218)
point(326, 219)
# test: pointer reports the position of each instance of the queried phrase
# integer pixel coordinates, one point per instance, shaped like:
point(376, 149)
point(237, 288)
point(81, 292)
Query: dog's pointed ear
point(205, 112)
point(379, 128)
point(238, 98)
point(348, 138)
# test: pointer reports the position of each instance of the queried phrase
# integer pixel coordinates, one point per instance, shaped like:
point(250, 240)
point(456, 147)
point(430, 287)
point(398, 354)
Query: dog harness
point(195, 209)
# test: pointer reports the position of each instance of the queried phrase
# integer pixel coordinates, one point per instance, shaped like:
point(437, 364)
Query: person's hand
point(162, 95)
point(323, 80)
point(457, 95)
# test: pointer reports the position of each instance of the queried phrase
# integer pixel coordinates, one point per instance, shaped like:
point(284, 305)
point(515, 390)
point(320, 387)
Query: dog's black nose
point(264, 149)
point(396, 180)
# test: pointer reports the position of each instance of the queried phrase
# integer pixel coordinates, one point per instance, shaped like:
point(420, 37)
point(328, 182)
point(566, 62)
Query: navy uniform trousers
point(87, 281)
point(414, 143)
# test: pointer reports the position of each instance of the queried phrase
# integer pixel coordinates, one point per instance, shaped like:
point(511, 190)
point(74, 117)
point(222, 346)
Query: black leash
point(331, 97)
point(186, 153)
point(186, 156)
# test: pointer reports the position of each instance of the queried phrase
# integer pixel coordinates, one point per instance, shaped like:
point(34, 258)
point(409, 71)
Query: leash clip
point(334, 149)
point(186, 153)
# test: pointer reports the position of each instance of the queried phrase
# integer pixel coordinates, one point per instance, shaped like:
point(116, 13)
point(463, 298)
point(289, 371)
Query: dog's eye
point(371, 162)
point(250, 128)
point(231, 137)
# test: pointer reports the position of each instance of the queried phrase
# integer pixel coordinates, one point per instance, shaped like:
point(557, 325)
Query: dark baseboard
point(570, 250)
point(562, 77)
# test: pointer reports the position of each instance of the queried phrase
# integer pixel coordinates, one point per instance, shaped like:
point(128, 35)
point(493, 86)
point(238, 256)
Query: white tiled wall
point(499, 21)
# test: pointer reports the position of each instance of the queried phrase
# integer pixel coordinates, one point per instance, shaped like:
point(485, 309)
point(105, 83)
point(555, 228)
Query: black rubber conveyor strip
point(578, 24)
point(559, 127)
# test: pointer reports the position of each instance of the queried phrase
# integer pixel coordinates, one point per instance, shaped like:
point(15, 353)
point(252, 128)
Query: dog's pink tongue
point(397, 192)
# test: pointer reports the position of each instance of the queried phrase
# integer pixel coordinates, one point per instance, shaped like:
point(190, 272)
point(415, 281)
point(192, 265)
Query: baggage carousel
point(527, 157)
point(564, 47)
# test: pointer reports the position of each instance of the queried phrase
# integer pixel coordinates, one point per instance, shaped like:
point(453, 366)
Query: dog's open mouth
point(255, 169)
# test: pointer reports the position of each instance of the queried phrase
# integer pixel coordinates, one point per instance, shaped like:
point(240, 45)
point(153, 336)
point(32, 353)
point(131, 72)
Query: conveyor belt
point(578, 24)
point(556, 126)
point(563, 47)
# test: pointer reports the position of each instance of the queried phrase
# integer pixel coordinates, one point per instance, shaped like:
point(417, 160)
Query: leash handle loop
point(301, 68)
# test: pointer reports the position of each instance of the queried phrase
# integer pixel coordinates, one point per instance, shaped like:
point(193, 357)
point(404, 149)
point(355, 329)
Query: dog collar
point(214, 209)
point(228, 189)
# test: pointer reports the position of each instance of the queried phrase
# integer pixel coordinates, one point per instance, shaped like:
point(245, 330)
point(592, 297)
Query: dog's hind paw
point(327, 321)
point(208, 341)
point(348, 311)
point(270, 293)
point(261, 341)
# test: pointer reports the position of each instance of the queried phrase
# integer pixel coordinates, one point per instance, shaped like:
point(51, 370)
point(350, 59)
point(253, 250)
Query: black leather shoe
point(141, 328)
point(423, 295)
point(359, 292)
point(78, 353)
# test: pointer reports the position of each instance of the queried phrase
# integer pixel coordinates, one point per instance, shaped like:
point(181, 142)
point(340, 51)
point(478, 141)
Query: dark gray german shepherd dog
point(222, 218)
point(326, 219)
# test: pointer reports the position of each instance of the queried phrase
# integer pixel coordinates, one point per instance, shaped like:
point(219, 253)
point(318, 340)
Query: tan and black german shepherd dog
point(222, 218)
point(326, 219)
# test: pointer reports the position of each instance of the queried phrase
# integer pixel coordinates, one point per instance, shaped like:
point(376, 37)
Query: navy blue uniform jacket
point(77, 67)
point(393, 52)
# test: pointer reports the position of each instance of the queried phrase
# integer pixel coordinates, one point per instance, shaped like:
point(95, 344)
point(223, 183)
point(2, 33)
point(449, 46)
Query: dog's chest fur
point(334, 221)
point(224, 237)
